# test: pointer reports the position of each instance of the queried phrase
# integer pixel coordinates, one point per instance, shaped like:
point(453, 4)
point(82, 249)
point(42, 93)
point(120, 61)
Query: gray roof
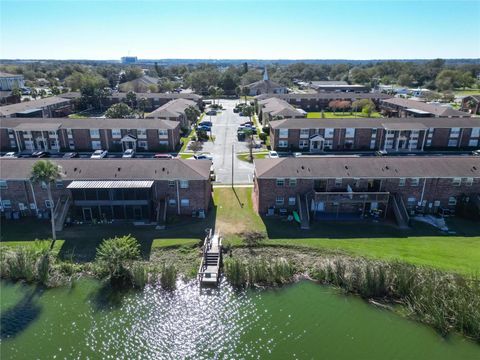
point(327, 95)
point(145, 80)
point(368, 123)
point(265, 85)
point(173, 108)
point(278, 107)
point(122, 95)
point(328, 82)
point(88, 123)
point(436, 109)
point(369, 167)
point(31, 105)
point(7, 75)
point(113, 169)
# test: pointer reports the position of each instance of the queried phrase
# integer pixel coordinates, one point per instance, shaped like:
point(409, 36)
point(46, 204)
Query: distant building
point(173, 110)
point(266, 86)
point(49, 107)
point(471, 104)
point(399, 107)
point(142, 84)
point(129, 59)
point(275, 109)
point(339, 86)
point(10, 81)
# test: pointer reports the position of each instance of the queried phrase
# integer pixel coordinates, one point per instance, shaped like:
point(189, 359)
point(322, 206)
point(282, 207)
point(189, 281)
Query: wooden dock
point(209, 271)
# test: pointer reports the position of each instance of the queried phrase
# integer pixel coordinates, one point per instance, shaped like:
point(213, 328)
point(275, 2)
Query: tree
point(192, 114)
point(245, 91)
point(142, 105)
point(117, 254)
point(119, 111)
point(447, 79)
point(466, 80)
point(43, 93)
point(133, 73)
point(17, 94)
point(34, 93)
point(55, 91)
point(46, 172)
point(131, 98)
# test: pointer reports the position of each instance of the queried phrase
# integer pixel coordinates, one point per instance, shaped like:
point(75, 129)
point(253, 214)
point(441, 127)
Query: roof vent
point(386, 167)
point(346, 167)
point(74, 169)
point(474, 168)
point(303, 167)
point(118, 169)
point(163, 169)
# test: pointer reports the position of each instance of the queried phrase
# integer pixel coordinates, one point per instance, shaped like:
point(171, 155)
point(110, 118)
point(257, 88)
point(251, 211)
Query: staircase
point(302, 202)
point(400, 211)
point(61, 211)
point(161, 215)
point(209, 271)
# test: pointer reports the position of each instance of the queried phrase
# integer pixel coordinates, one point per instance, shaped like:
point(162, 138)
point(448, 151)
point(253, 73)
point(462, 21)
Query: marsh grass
point(248, 273)
point(168, 277)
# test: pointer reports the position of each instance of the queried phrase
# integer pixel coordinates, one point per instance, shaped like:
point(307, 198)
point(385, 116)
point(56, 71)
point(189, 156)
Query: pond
point(300, 321)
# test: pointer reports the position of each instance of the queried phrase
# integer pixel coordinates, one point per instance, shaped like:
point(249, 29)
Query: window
point(48, 204)
point(475, 132)
point(338, 182)
point(171, 183)
point(457, 181)
point(43, 184)
point(96, 145)
point(59, 184)
point(183, 184)
point(328, 144)
point(372, 144)
point(6, 204)
point(163, 142)
point(69, 133)
point(414, 181)
point(374, 133)
point(291, 201)
point(389, 144)
point(280, 182)
point(356, 182)
point(282, 143)
point(402, 181)
point(454, 132)
point(52, 133)
point(349, 132)
point(452, 142)
point(411, 201)
point(279, 200)
point(162, 133)
point(452, 200)
point(390, 133)
point(172, 202)
point(414, 134)
point(303, 144)
point(468, 181)
point(141, 133)
point(304, 133)
point(95, 133)
point(3, 184)
point(329, 132)
point(473, 143)
point(184, 202)
point(143, 144)
point(292, 182)
point(283, 133)
point(116, 133)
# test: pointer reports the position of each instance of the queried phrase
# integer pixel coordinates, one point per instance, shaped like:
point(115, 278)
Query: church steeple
point(265, 74)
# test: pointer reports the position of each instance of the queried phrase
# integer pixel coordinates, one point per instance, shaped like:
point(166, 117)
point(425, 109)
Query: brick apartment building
point(117, 189)
point(390, 134)
point(350, 187)
point(50, 107)
point(275, 109)
point(320, 101)
point(174, 111)
point(400, 107)
point(64, 134)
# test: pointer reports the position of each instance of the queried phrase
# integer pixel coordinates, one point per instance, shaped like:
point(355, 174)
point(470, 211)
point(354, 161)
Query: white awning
point(114, 184)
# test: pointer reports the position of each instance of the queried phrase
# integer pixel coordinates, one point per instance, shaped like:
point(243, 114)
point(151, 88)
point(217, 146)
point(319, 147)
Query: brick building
point(276, 109)
point(64, 134)
point(49, 107)
point(400, 107)
point(320, 101)
point(471, 104)
point(390, 134)
point(352, 187)
point(117, 189)
point(174, 111)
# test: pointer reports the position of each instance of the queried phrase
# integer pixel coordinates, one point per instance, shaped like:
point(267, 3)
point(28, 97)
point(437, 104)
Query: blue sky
point(107, 29)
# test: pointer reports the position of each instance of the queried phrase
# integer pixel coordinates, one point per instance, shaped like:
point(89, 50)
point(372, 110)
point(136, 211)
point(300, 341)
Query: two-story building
point(174, 111)
point(64, 134)
point(275, 109)
point(390, 134)
point(49, 107)
point(400, 107)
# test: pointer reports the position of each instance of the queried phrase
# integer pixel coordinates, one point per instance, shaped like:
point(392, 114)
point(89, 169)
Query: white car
point(129, 153)
point(474, 152)
point(273, 155)
point(9, 155)
point(99, 154)
point(203, 156)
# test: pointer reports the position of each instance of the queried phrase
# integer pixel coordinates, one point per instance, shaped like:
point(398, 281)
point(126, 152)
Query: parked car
point(247, 123)
point(40, 154)
point(9, 155)
point(163, 156)
point(213, 177)
point(476, 152)
point(297, 154)
point(204, 128)
point(380, 153)
point(129, 153)
point(203, 156)
point(70, 155)
point(206, 123)
point(212, 112)
point(99, 154)
point(273, 155)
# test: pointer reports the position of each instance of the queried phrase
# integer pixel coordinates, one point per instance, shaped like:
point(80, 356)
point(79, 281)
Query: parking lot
point(224, 131)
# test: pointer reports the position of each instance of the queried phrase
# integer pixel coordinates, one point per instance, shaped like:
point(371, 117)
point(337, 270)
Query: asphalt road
point(224, 130)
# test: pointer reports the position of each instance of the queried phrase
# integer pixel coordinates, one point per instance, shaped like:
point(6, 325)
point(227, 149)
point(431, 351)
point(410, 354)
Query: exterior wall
point(438, 189)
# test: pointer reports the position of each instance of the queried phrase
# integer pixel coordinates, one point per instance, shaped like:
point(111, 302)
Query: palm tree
point(245, 92)
point(44, 171)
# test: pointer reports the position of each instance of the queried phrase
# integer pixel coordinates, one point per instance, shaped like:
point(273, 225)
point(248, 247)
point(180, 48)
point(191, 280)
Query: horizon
point(215, 30)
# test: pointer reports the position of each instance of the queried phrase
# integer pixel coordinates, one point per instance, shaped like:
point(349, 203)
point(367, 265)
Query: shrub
point(168, 277)
point(195, 146)
point(252, 238)
point(263, 136)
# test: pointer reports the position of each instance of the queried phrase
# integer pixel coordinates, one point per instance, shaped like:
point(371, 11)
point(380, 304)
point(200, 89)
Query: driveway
point(224, 130)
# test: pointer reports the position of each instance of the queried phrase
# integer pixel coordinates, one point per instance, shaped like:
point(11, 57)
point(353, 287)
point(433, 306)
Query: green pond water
point(301, 321)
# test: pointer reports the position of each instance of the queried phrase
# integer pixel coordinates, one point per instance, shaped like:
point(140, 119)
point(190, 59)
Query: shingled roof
point(113, 169)
point(368, 167)
point(173, 108)
point(31, 105)
point(436, 109)
point(326, 95)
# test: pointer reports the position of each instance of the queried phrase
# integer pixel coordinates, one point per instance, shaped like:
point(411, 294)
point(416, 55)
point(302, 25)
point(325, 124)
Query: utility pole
point(233, 164)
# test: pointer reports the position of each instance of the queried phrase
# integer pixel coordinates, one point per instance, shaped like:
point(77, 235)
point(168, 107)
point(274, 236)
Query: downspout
point(65, 142)
point(178, 198)
point(423, 190)
point(18, 141)
point(34, 198)
point(460, 138)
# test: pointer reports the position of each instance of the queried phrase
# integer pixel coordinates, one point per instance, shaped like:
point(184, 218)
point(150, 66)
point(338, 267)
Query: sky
point(261, 29)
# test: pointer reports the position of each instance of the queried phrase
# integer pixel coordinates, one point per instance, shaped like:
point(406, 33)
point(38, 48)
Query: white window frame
point(283, 133)
point(6, 204)
point(475, 132)
point(303, 144)
point(452, 200)
point(292, 182)
point(402, 182)
point(468, 181)
point(279, 200)
point(280, 182)
point(116, 133)
point(184, 184)
point(329, 133)
point(3, 184)
point(350, 133)
point(172, 202)
point(48, 204)
point(96, 145)
point(95, 133)
point(282, 143)
point(59, 184)
point(171, 183)
point(141, 133)
point(414, 181)
point(456, 181)
point(338, 181)
point(304, 133)
point(184, 202)
point(292, 200)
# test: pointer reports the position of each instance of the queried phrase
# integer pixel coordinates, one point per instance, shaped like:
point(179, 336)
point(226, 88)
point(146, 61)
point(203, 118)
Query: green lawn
point(467, 92)
point(246, 157)
point(340, 115)
point(232, 213)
